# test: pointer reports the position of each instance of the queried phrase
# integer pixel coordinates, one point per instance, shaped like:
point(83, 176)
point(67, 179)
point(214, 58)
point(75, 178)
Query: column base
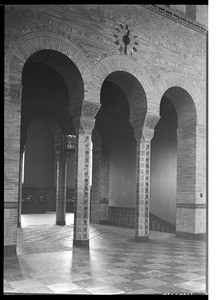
point(60, 223)
point(191, 236)
point(81, 243)
point(142, 239)
point(10, 250)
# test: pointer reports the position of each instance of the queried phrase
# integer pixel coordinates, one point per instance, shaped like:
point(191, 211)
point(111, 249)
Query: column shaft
point(82, 207)
point(142, 190)
point(61, 189)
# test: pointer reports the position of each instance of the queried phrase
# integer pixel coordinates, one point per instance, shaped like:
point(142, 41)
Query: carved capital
point(85, 109)
point(90, 109)
point(151, 121)
point(144, 128)
point(84, 125)
point(143, 134)
point(88, 124)
point(148, 133)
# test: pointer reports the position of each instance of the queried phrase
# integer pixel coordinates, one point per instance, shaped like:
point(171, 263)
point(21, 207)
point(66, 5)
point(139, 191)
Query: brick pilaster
point(12, 108)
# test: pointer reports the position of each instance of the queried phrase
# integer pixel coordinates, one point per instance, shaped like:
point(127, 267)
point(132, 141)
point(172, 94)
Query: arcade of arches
point(140, 123)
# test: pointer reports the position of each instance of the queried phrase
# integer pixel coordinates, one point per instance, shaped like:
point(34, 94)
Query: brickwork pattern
point(81, 231)
point(142, 188)
point(12, 94)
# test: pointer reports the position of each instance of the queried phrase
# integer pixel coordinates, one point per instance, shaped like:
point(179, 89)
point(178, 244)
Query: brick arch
point(167, 82)
point(189, 102)
point(27, 45)
point(117, 63)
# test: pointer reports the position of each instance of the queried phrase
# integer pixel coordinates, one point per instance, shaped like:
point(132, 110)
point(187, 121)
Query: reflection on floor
point(47, 263)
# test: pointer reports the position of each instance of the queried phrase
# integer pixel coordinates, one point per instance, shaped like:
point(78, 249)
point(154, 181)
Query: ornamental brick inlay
point(10, 205)
point(86, 187)
point(142, 188)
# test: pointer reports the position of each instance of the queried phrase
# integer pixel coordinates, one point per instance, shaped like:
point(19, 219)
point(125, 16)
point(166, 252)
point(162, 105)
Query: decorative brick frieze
point(190, 205)
point(11, 175)
point(184, 21)
point(10, 205)
point(11, 144)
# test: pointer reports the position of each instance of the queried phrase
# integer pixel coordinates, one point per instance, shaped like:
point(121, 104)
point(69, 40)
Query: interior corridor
point(47, 263)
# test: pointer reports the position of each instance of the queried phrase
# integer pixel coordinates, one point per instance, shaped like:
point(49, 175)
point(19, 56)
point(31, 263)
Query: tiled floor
point(46, 262)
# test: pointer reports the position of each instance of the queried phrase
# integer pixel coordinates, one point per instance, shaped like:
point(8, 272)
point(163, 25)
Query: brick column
point(61, 182)
point(143, 136)
point(12, 108)
point(84, 125)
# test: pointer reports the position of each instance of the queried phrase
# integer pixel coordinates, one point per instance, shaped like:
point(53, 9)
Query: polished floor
point(47, 263)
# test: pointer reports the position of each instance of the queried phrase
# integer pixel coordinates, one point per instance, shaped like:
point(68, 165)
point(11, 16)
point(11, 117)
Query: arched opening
point(173, 160)
point(164, 170)
point(122, 100)
point(45, 117)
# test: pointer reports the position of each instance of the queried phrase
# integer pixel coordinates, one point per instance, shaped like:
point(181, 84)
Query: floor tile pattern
point(47, 263)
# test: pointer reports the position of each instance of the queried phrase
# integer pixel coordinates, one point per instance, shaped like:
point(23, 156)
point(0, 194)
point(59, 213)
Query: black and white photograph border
point(107, 149)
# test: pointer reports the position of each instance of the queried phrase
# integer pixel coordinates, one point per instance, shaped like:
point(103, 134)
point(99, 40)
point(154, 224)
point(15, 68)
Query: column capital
point(151, 120)
point(144, 127)
point(90, 109)
point(143, 134)
point(86, 109)
point(84, 116)
point(84, 125)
